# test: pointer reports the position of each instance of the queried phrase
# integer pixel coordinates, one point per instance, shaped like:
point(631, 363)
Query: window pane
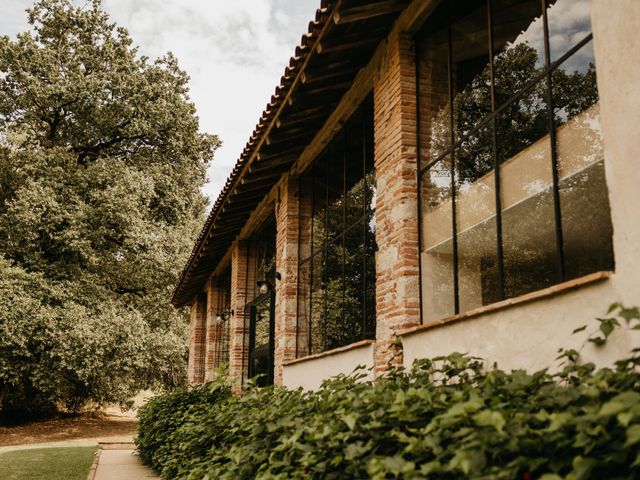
point(518, 45)
point(358, 158)
point(529, 242)
point(370, 248)
point(335, 328)
point(470, 51)
point(316, 303)
point(304, 302)
point(586, 217)
point(437, 242)
point(569, 23)
point(335, 186)
point(336, 288)
point(476, 221)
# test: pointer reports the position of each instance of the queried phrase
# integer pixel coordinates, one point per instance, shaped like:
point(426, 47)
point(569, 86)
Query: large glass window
point(222, 298)
point(513, 193)
point(336, 273)
point(261, 278)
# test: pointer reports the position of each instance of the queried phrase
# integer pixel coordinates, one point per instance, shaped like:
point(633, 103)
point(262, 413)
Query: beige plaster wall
point(529, 335)
point(310, 373)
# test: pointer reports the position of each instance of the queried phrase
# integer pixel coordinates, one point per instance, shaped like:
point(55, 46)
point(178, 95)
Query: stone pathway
point(119, 461)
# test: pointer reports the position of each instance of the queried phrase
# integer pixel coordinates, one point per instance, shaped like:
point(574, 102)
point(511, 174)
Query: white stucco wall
point(309, 373)
point(529, 335)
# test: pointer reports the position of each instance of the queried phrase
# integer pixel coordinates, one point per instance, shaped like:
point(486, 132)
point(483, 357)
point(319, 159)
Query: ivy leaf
point(581, 468)
point(620, 403)
point(579, 329)
point(614, 306)
point(488, 418)
point(624, 418)
point(468, 461)
point(350, 420)
point(633, 435)
point(630, 314)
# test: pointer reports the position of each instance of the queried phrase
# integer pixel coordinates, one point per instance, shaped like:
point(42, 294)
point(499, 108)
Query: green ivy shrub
point(161, 416)
point(448, 418)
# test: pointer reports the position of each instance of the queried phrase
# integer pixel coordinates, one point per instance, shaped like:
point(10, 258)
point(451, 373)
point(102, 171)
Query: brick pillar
point(212, 341)
point(195, 369)
point(397, 270)
point(239, 326)
point(287, 230)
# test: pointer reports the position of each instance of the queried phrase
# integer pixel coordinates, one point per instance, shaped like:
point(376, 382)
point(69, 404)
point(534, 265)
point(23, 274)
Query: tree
point(101, 165)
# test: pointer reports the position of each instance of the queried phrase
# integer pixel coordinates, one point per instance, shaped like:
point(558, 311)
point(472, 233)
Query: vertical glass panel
point(335, 329)
point(470, 55)
point(476, 221)
point(318, 178)
point(584, 200)
point(335, 186)
point(518, 45)
point(356, 160)
point(437, 242)
point(529, 242)
point(302, 308)
point(370, 248)
point(354, 258)
point(569, 23)
point(341, 272)
point(432, 49)
point(316, 304)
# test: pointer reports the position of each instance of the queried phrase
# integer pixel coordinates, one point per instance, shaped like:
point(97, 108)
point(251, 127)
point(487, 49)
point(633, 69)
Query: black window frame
point(489, 121)
point(360, 124)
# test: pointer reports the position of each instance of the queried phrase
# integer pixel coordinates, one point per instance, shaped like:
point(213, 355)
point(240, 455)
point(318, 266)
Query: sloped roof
point(339, 42)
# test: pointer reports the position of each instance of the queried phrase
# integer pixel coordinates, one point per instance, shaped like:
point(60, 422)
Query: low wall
point(309, 372)
point(527, 334)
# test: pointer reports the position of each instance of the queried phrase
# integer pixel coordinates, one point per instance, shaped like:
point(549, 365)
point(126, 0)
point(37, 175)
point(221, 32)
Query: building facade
point(430, 176)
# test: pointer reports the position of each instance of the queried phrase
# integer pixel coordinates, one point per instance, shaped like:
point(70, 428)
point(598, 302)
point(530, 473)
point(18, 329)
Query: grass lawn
point(66, 463)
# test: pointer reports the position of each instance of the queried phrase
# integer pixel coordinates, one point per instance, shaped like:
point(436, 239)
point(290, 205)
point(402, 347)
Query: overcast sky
point(235, 52)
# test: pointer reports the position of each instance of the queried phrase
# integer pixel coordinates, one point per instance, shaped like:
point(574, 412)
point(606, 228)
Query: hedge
point(448, 418)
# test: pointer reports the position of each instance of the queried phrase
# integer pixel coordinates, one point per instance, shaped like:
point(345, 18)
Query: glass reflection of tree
point(339, 321)
point(520, 124)
point(262, 324)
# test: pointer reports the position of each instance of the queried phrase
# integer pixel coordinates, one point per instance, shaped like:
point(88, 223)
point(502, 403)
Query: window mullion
point(554, 149)
point(496, 160)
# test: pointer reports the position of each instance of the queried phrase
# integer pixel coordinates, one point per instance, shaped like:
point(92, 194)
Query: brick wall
point(397, 270)
point(241, 279)
point(287, 266)
point(213, 338)
point(197, 323)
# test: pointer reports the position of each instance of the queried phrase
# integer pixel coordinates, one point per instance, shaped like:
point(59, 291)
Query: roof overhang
point(339, 43)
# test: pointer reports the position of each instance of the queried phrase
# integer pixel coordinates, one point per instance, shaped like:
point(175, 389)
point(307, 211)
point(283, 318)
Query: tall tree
point(101, 166)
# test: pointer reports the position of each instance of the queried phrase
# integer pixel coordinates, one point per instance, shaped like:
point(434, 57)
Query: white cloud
point(234, 52)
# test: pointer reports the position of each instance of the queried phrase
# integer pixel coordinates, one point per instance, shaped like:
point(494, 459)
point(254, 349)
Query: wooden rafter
point(371, 10)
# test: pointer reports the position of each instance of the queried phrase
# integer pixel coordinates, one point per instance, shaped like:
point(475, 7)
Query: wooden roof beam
point(325, 48)
point(364, 12)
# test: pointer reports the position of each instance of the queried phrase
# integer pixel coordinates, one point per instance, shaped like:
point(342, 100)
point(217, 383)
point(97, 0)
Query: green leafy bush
point(447, 418)
point(161, 416)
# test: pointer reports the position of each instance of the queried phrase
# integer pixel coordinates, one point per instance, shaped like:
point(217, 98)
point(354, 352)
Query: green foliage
point(162, 415)
point(101, 165)
point(449, 417)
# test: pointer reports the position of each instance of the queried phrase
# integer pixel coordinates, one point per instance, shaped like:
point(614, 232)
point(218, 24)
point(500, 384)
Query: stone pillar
point(287, 255)
point(397, 270)
point(239, 326)
point(212, 341)
point(616, 44)
point(195, 369)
